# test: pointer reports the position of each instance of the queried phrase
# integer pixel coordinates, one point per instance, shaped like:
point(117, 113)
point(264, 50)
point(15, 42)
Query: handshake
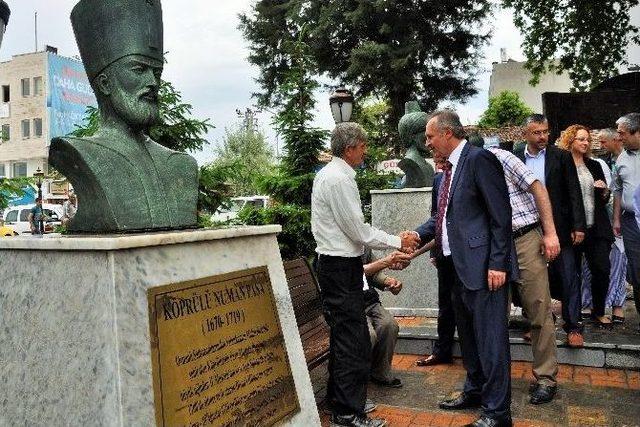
point(410, 241)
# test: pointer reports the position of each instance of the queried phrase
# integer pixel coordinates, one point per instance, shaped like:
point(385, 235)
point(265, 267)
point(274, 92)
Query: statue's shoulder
point(160, 151)
point(80, 145)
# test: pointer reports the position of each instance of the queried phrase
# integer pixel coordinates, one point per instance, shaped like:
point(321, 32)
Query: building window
point(6, 93)
point(37, 127)
point(6, 132)
point(19, 169)
point(2, 172)
point(26, 129)
point(26, 87)
point(37, 86)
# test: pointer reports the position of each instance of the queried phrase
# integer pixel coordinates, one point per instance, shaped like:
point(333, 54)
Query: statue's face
point(133, 83)
point(419, 143)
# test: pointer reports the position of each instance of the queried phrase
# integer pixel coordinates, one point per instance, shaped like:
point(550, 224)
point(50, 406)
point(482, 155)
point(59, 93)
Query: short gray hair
point(631, 121)
point(534, 118)
point(346, 134)
point(449, 119)
point(608, 133)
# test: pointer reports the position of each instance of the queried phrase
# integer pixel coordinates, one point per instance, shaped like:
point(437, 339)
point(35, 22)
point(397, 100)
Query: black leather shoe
point(461, 401)
point(356, 421)
point(485, 421)
point(369, 406)
point(393, 383)
point(543, 394)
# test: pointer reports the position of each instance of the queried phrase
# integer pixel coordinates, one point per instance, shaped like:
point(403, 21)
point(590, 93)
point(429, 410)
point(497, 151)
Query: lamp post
point(39, 175)
point(341, 102)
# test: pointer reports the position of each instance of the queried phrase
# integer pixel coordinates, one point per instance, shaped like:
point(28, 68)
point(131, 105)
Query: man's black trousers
point(341, 285)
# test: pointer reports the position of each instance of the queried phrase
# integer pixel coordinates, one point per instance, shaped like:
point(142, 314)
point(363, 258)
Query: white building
point(43, 95)
point(511, 75)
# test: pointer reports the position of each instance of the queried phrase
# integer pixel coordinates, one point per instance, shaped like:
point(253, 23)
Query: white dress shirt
point(454, 157)
point(337, 221)
point(536, 163)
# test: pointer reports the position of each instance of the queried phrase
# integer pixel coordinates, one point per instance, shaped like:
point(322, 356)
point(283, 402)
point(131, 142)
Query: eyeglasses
point(540, 132)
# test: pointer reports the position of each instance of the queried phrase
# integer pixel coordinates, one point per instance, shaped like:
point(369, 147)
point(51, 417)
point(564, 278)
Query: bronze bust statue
point(124, 180)
point(418, 173)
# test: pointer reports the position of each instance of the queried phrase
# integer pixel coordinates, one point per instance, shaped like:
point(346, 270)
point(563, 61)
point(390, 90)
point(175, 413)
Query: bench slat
point(307, 305)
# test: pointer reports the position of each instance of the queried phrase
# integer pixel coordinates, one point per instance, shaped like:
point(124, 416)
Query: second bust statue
point(418, 173)
point(125, 181)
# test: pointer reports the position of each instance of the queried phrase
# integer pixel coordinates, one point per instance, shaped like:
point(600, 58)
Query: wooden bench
point(307, 306)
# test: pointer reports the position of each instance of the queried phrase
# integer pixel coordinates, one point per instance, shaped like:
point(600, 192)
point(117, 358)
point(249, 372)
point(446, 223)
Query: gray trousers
point(631, 237)
point(383, 331)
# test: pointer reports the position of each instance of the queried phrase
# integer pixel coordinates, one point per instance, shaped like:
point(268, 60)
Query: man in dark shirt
point(36, 218)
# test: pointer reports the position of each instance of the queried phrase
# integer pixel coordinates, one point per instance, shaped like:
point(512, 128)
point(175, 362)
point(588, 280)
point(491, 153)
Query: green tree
point(245, 151)
point(395, 49)
point(292, 181)
point(294, 103)
point(10, 188)
point(373, 115)
point(586, 38)
point(505, 109)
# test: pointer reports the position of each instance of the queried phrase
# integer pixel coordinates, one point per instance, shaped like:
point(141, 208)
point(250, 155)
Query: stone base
point(75, 323)
point(394, 211)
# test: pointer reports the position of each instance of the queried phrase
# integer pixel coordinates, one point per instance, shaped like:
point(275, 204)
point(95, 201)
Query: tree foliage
point(296, 239)
point(585, 38)
point(505, 109)
point(394, 49)
point(294, 103)
point(245, 151)
point(11, 188)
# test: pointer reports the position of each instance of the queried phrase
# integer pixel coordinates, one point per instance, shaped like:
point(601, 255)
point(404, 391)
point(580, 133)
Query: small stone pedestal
point(394, 211)
point(75, 326)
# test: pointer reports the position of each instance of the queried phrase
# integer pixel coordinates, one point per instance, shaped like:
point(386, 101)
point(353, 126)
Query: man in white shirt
point(341, 234)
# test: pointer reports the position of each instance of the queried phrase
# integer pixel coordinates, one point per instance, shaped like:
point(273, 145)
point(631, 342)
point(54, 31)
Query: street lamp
point(341, 102)
point(39, 175)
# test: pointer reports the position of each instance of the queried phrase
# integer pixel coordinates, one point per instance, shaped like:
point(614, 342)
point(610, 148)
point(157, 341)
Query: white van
point(236, 205)
point(17, 217)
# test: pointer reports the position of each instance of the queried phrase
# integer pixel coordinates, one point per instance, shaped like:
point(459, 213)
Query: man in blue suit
point(472, 229)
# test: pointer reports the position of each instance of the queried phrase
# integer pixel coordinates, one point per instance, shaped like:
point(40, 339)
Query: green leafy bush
point(296, 239)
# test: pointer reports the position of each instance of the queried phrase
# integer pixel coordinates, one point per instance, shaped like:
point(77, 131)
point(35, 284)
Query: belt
point(339, 258)
point(524, 230)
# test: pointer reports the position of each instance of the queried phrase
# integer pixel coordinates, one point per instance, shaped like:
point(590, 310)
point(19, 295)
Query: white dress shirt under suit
point(454, 157)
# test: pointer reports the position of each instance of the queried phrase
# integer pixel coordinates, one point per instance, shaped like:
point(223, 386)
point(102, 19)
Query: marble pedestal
point(74, 322)
point(394, 211)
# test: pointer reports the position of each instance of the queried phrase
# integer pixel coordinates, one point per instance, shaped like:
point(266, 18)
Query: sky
point(207, 58)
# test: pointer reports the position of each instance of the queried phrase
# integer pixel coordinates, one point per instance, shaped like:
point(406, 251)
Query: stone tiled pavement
point(587, 396)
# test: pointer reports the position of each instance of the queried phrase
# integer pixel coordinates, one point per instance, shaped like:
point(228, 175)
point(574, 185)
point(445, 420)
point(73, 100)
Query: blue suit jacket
point(478, 219)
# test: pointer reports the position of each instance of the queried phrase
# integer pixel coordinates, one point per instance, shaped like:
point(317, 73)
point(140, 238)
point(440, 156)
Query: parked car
point(17, 217)
point(6, 231)
point(237, 203)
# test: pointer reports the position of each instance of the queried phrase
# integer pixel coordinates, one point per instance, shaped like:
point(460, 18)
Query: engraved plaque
point(218, 354)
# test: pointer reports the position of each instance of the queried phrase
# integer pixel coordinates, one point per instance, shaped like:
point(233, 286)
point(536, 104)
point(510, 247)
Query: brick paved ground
point(587, 397)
